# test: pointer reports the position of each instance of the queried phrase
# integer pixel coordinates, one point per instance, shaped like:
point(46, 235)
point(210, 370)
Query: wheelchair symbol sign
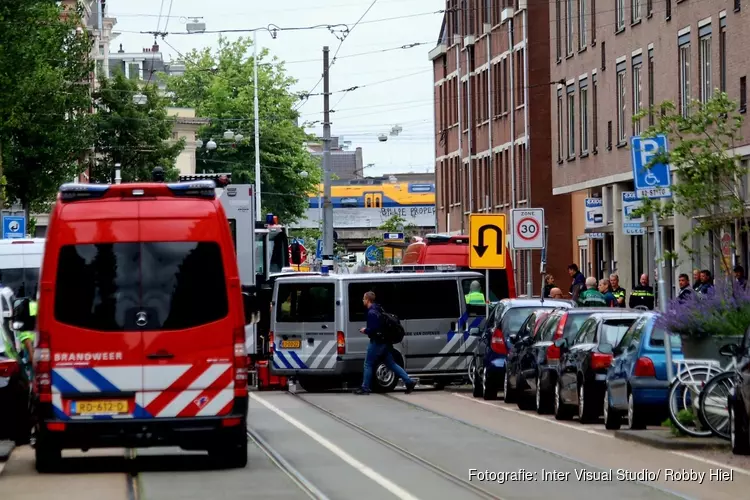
point(652, 180)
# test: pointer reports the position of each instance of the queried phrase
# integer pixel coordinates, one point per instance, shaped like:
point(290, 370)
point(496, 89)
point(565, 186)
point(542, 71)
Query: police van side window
point(386, 294)
point(306, 302)
point(429, 299)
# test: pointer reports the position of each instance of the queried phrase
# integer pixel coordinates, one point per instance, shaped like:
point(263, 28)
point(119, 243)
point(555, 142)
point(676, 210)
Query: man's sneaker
point(362, 392)
point(410, 387)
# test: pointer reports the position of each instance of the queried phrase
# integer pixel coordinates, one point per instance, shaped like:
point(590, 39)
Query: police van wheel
point(384, 379)
point(231, 456)
point(47, 457)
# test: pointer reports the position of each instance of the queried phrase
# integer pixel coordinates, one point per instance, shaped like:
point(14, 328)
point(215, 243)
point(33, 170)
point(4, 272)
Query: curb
point(651, 438)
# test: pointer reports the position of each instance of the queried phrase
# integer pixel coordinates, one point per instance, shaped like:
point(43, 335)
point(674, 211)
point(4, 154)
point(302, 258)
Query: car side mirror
point(729, 350)
point(606, 349)
point(474, 332)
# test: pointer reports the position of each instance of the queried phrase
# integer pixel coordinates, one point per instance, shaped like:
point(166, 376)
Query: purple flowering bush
point(723, 312)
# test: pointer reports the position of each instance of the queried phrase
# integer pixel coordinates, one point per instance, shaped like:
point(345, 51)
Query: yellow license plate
point(291, 344)
point(99, 407)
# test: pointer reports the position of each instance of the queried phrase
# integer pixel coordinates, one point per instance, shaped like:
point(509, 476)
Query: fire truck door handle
point(160, 355)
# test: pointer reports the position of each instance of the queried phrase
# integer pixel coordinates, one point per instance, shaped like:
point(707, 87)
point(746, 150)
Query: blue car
point(637, 384)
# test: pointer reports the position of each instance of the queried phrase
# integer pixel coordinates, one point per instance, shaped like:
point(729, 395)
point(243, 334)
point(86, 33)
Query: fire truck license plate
point(103, 407)
point(291, 344)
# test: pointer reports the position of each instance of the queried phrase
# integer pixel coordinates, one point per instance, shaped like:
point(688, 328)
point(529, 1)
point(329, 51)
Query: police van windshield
point(104, 286)
point(23, 281)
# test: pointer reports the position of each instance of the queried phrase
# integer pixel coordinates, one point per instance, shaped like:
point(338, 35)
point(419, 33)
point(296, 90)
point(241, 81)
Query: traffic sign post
point(543, 263)
point(372, 254)
point(319, 250)
point(14, 226)
point(654, 181)
point(487, 241)
point(527, 224)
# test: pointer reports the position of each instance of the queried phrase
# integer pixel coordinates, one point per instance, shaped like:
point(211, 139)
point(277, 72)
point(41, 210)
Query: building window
point(650, 87)
point(619, 15)
point(569, 27)
point(684, 74)
point(705, 63)
point(592, 14)
point(582, 28)
point(594, 114)
point(558, 29)
point(571, 121)
point(743, 94)
point(649, 7)
point(583, 115)
point(723, 55)
point(635, 11)
point(637, 92)
point(604, 55)
point(668, 10)
point(609, 135)
point(621, 87)
point(560, 113)
point(520, 82)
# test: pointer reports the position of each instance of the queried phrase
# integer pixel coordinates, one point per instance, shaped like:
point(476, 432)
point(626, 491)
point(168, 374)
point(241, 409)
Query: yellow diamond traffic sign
point(487, 241)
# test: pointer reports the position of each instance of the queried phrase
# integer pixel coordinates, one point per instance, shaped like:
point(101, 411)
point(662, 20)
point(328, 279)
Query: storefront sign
point(594, 213)
point(632, 225)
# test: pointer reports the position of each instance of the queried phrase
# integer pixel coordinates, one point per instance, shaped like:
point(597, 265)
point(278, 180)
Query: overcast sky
point(363, 114)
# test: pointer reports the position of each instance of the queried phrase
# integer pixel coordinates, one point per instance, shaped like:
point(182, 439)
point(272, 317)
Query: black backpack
point(393, 332)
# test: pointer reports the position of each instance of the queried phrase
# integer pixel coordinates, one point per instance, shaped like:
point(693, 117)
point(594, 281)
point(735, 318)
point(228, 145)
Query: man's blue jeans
point(376, 353)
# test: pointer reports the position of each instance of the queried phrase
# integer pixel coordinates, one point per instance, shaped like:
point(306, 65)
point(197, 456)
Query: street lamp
point(229, 135)
point(210, 145)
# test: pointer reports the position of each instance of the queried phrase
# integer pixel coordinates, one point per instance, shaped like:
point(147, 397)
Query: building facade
point(492, 147)
point(611, 61)
point(345, 164)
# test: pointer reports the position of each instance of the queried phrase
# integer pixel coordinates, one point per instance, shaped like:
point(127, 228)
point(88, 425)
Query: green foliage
point(137, 136)
point(45, 127)
point(394, 224)
point(219, 85)
point(708, 185)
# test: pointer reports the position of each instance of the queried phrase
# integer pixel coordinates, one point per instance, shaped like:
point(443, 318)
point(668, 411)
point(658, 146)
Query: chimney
point(155, 48)
point(121, 51)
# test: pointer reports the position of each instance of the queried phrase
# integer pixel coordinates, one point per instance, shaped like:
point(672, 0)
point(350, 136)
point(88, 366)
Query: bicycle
point(685, 392)
point(713, 409)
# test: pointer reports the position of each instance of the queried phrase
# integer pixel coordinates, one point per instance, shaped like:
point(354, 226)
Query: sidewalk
point(664, 439)
point(6, 448)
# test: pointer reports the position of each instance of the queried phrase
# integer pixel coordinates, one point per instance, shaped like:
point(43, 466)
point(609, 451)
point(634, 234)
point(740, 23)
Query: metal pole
point(469, 135)
point(257, 127)
point(543, 264)
point(527, 136)
point(327, 206)
point(512, 95)
point(487, 293)
point(460, 126)
point(662, 292)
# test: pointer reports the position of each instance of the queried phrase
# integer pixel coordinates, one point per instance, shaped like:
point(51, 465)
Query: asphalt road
point(418, 446)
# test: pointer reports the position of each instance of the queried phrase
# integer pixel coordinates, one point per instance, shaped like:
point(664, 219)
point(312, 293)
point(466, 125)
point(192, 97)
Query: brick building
point(613, 59)
point(492, 144)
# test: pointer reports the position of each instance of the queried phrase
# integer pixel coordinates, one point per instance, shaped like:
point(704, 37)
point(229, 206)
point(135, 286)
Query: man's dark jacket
point(643, 295)
point(374, 327)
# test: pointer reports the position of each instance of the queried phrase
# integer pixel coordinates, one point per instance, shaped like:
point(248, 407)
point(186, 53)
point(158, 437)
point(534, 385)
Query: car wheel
point(562, 412)
point(384, 380)
point(612, 418)
point(543, 403)
point(635, 417)
point(47, 457)
point(472, 371)
point(489, 389)
point(232, 455)
point(508, 395)
point(586, 411)
point(477, 389)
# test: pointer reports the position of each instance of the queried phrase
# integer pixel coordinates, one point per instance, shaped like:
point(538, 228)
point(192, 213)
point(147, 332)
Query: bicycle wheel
point(684, 398)
point(713, 406)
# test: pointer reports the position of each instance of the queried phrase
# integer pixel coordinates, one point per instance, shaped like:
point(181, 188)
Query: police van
point(315, 325)
point(20, 261)
point(141, 327)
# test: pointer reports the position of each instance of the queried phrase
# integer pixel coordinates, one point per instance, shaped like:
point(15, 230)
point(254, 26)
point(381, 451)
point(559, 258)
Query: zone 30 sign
point(527, 228)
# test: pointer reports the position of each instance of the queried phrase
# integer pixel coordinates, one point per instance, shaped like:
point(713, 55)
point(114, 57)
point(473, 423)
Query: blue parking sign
point(651, 181)
point(319, 250)
point(14, 226)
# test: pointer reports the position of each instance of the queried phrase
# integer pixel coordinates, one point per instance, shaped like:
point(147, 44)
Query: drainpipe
point(460, 124)
point(512, 106)
point(527, 166)
point(469, 125)
point(489, 114)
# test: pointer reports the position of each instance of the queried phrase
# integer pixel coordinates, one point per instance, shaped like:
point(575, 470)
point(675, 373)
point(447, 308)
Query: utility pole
point(256, 127)
point(327, 263)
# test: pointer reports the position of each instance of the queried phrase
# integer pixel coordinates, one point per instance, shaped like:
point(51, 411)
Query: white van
point(20, 261)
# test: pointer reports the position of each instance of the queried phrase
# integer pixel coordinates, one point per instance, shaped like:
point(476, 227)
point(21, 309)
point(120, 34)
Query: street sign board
point(319, 250)
point(651, 181)
point(487, 241)
point(372, 254)
point(393, 236)
point(527, 226)
point(14, 226)
point(631, 225)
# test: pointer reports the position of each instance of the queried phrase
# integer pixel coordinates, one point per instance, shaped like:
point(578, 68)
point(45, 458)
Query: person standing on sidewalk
point(591, 297)
point(617, 290)
point(643, 295)
point(379, 349)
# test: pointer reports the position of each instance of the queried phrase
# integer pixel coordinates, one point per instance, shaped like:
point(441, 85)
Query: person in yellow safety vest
point(475, 297)
point(28, 337)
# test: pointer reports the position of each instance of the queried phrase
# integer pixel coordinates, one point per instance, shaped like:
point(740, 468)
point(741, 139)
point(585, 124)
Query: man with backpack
point(384, 330)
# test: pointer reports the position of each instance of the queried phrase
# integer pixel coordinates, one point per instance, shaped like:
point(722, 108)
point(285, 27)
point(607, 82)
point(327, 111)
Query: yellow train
point(380, 194)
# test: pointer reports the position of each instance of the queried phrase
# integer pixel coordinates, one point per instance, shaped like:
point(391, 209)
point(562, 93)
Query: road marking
point(538, 417)
point(397, 491)
point(710, 462)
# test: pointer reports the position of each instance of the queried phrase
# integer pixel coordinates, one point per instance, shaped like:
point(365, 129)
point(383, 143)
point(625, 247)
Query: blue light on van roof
point(79, 191)
point(198, 189)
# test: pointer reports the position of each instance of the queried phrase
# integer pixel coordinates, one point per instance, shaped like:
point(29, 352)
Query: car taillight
point(270, 342)
point(240, 363)
point(8, 368)
point(43, 368)
point(497, 344)
point(553, 354)
point(340, 343)
point(600, 361)
point(560, 328)
point(644, 367)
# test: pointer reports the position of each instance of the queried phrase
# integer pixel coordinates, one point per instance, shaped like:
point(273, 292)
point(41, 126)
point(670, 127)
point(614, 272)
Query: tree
point(132, 134)
point(394, 224)
point(709, 178)
point(219, 85)
point(45, 125)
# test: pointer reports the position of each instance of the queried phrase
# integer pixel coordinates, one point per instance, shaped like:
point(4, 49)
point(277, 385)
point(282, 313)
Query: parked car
point(584, 363)
point(490, 351)
point(537, 362)
point(637, 383)
point(739, 396)
point(15, 389)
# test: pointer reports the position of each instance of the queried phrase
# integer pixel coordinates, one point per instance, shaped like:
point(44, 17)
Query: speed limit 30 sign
point(527, 228)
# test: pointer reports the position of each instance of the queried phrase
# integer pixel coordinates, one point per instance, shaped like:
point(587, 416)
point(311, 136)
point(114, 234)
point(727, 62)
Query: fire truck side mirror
point(296, 254)
point(251, 306)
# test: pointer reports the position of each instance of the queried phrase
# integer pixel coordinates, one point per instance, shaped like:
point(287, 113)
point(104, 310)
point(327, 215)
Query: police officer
point(475, 297)
point(617, 290)
point(27, 338)
point(643, 295)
